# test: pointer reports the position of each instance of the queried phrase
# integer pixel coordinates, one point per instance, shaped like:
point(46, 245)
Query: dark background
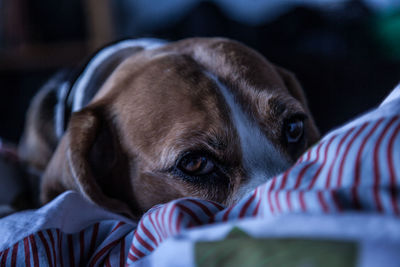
point(346, 53)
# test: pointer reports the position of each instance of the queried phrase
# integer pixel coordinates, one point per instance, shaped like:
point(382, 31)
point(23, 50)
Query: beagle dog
point(146, 121)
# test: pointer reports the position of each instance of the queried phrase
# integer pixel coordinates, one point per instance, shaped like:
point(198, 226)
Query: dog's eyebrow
point(216, 143)
point(277, 106)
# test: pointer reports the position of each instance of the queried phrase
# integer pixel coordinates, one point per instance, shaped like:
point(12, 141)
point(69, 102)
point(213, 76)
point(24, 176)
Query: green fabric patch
point(239, 249)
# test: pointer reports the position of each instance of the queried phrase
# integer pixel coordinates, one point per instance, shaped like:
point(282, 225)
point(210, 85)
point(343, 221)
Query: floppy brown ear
point(295, 89)
point(89, 160)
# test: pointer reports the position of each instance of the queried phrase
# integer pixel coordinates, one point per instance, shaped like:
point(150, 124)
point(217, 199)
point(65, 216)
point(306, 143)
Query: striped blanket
point(339, 205)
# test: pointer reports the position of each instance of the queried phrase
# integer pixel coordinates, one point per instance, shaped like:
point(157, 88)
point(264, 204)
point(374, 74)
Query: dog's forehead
point(172, 105)
point(185, 64)
point(253, 80)
point(243, 69)
point(177, 90)
point(230, 61)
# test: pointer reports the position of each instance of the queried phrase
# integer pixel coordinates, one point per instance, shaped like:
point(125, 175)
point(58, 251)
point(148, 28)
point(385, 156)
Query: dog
point(147, 121)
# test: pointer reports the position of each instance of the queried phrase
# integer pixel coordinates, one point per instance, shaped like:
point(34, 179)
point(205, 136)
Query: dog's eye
point(294, 130)
point(196, 165)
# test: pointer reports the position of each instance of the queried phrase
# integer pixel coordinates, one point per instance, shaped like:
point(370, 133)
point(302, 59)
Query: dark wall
point(340, 56)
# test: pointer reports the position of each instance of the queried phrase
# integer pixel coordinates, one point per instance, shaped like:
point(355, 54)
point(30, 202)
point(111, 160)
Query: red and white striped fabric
point(89, 247)
point(69, 231)
point(355, 168)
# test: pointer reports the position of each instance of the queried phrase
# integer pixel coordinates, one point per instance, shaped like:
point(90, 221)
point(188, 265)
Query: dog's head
point(207, 118)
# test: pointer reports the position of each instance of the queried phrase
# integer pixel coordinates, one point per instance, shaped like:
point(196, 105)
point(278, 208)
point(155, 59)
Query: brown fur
point(119, 150)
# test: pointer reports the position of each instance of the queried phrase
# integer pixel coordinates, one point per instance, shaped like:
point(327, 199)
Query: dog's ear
point(295, 89)
point(90, 159)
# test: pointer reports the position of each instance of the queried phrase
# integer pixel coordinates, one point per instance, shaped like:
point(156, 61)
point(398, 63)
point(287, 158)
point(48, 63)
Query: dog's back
point(39, 139)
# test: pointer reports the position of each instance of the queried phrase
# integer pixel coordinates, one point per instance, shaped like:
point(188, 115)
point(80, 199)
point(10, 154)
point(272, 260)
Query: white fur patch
point(260, 158)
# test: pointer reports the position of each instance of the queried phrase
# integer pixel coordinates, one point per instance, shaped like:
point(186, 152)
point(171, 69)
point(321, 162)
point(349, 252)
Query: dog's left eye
point(195, 165)
point(294, 130)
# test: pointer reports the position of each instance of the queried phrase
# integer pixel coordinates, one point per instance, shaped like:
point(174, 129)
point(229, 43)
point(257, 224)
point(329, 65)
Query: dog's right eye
point(196, 165)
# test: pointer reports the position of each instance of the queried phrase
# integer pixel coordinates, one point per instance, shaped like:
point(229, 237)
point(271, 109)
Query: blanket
point(337, 206)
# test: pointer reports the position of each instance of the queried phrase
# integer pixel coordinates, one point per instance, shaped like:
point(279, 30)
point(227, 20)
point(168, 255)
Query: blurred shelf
point(42, 56)
point(30, 56)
